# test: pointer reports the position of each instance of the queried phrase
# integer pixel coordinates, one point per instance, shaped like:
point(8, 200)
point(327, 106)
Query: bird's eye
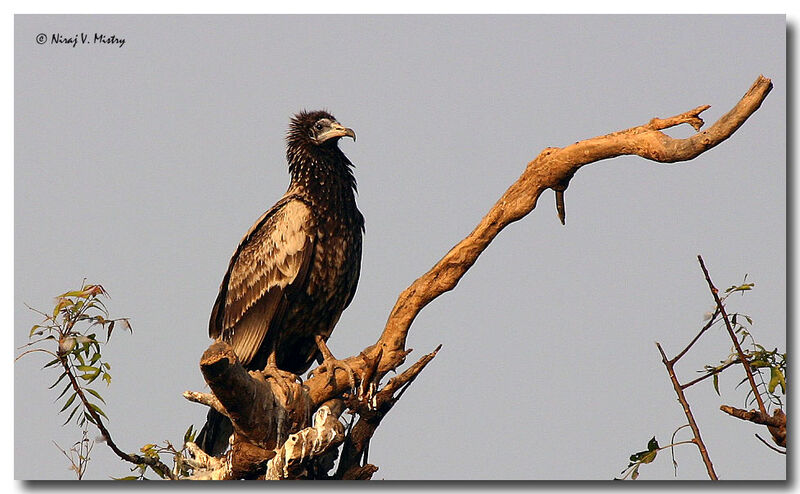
point(318, 126)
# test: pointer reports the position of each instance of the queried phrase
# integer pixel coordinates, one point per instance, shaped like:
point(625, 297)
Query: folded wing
point(271, 262)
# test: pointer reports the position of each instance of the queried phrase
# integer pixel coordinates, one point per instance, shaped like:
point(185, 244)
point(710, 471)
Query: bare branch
point(776, 423)
point(773, 448)
point(207, 467)
point(372, 410)
point(207, 399)
point(551, 169)
point(710, 323)
point(688, 412)
point(713, 372)
point(255, 406)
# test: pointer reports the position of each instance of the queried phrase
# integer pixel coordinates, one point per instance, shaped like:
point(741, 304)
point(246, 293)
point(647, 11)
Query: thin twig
point(769, 445)
point(687, 410)
point(697, 337)
point(34, 350)
point(672, 451)
point(706, 376)
point(155, 463)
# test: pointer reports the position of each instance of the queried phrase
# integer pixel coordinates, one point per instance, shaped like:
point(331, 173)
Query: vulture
point(296, 269)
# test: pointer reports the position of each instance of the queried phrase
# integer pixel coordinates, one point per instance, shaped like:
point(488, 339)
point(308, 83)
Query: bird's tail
point(213, 437)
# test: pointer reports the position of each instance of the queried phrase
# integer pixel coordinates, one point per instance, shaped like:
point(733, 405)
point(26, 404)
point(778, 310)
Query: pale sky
point(140, 167)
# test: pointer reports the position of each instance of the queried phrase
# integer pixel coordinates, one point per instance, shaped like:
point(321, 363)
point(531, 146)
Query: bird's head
point(316, 128)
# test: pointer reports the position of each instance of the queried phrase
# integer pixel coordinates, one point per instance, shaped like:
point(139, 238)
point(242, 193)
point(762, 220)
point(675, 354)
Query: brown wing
point(273, 255)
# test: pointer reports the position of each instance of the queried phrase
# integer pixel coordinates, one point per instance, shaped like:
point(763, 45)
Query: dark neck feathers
point(324, 176)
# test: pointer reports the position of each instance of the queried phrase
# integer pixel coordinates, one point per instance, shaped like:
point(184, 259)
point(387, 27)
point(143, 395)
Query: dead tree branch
point(776, 423)
point(773, 448)
point(371, 411)
point(551, 168)
point(250, 406)
point(261, 412)
point(292, 459)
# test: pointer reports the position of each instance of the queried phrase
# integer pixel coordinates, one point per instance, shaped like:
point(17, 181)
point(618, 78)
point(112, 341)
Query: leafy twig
point(742, 357)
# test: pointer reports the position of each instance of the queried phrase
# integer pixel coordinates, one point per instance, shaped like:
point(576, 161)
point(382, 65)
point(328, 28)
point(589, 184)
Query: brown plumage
point(297, 268)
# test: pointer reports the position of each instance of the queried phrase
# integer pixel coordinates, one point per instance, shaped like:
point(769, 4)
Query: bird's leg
point(281, 377)
point(330, 364)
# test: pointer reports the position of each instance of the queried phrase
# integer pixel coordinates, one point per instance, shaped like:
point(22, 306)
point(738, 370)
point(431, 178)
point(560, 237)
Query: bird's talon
point(281, 377)
point(330, 366)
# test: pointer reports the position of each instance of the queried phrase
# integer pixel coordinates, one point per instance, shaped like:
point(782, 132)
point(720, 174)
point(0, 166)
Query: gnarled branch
point(293, 458)
point(776, 423)
point(551, 169)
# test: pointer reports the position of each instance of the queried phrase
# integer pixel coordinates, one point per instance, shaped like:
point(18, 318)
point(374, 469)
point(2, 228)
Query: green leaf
point(60, 304)
point(96, 394)
point(71, 414)
point(62, 376)
point(33, 330)
point(87, 368)
point(652, 445)
point(98, 410)
point(90, 377)
point(66, 388)
point(75, 293)
point(69, 402)
point(741, 288)
point(716, 383)
point(189, 436)
point(650, 456)
point(776, 378)
point(51, 363)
